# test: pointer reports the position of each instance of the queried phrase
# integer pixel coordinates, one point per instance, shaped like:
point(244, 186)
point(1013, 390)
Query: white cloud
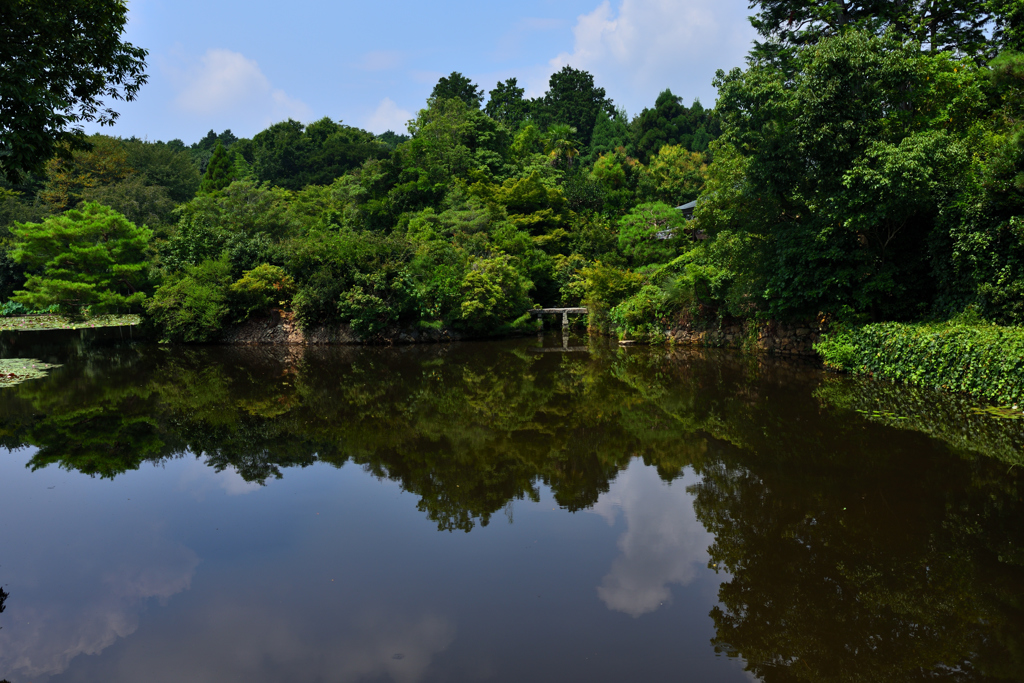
point(198, 477)
point(95, 605)
point(664, 543)
point(641, 47)
point(380, 60)
point(388, 116)
point(223, 83)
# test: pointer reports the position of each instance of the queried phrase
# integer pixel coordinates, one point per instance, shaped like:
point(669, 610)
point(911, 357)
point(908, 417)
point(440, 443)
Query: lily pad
point(58, 322)
point(14, 371)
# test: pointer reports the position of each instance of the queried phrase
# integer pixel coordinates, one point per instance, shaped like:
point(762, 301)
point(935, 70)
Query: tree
point(89, 257)
point(291, 155)
point(671, 123)
point(507, 105)
point(854, 147)
point(960, 26)
point(457, 85)
point(219, 172)
point(573, 99)
point(60, 62)
point(610, 133)
point(676, 175)
point(560, 145)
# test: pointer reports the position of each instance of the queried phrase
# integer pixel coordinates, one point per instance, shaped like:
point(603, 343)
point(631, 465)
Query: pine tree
point(219, 172)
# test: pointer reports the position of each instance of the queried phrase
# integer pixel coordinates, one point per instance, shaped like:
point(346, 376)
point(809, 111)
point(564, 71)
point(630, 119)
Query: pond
point(497, 511)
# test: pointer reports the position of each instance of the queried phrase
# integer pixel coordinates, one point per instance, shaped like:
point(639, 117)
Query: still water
point(502, 511)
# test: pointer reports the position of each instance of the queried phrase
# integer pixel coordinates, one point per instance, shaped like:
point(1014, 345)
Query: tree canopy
point(61, 63)
point(457, 85)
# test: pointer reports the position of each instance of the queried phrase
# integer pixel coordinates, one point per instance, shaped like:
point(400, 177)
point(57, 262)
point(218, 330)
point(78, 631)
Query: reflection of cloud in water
point(663, 542)
point(57, 627)
point(198, 477)
point(255, 643)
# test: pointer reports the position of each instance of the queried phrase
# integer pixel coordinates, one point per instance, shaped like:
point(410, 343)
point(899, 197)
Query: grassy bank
point(965, 356)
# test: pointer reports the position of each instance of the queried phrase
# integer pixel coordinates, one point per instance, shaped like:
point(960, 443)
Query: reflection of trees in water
point(863, 554)
point(855, 551)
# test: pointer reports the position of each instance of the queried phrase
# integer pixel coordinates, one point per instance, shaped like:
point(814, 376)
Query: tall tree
point(507, 105)
point(219, 172)
point(672, 123)
point(961, 26)
point(60, 62)
point(457, 85)
point(610, 133)
point(573, 99)
point(292, 155)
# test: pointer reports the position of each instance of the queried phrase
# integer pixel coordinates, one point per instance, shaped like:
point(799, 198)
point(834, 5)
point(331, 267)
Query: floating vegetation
point(57, 322)
point(878, 414)
point(14, 371)
point(1001, 412)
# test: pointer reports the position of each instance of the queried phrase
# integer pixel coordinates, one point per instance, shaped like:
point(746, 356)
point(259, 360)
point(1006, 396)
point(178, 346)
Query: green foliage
point(852, 151)
point(59, 67)
point(506, 104)
point(652, 233)
point(641, 316)
point(91, 258)
point(674, 175)
point(572, 99)
point(291, 155)
point(610, 133)
point(458, 86)
point(976, 358)
point(494, 295)
point(193, 305)
point(14, 308)
point(219, 171)
point(959, 26)
point(671, 123)
point(260, 289)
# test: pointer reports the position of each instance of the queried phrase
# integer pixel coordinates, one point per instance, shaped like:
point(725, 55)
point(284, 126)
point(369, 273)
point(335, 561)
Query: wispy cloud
point(640, 47)
point(388, 116)
point(222, 82)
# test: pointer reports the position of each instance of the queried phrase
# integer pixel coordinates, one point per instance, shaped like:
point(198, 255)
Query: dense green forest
point(862, 167)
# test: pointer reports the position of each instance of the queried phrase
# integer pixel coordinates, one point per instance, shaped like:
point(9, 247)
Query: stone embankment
point(791, 340)
point(280, 328)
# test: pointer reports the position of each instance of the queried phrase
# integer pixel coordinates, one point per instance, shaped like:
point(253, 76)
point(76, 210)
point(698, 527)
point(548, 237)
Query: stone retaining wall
point(280, 328)
point(785, 339)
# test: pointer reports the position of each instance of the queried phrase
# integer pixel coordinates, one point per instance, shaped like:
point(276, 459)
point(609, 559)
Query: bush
point(641, 315)
point(976, 358)
point(192, 306)
point(260, 289)
point(13, 308)
point(494, 295)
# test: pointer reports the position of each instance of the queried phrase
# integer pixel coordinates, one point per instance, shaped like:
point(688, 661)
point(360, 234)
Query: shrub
point(192, 306)
point(641, 315)
point(980, 359)
point(494, 295)
point(260, 289)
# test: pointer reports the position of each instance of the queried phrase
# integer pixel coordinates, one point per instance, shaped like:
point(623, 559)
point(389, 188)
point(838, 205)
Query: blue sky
point(244, 65)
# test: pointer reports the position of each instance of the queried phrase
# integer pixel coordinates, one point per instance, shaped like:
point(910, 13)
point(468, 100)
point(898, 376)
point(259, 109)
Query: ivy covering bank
point(976, 358)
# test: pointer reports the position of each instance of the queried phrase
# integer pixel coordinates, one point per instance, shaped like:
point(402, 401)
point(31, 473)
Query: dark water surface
point(494, 512)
